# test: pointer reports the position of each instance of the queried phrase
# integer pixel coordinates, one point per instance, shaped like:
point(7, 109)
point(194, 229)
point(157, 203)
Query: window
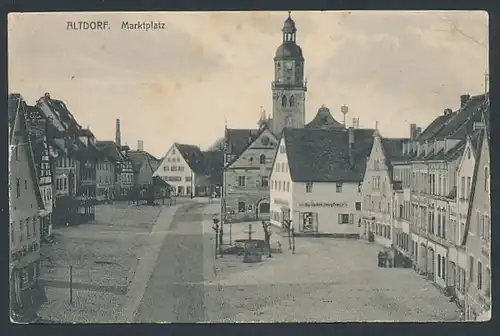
point(173, 168)
point(358, 206)
point(468, 187)
point(309, 187)
point(471, 269)
point(462, 188)
point(439, 265)
point(188, 179)
point(376, 182)
point(292, 101)
point(283, 101)
point(443, 268)
point(265, 181)
point(282, 149)
point(166, 168)
point(486, 179)
point(241, 206)
point(262, 159)
point(375, 165)
point(241, 181)
point(173, 150)
point(339, 187)
point(287, 186)
point(346, 219)
point(12, 233)
point(181, 168)
point(18, 188)
point(28, 229)
point(479, 275)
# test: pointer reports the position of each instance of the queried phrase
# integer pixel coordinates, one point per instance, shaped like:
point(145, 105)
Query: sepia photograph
point(254, 166)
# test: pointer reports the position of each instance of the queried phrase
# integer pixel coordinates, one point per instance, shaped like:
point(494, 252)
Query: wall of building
point(24, 216)
point(326, 204)
point(105, 174)
point(479, 241)
point(281, 187)
point(376, 192)
point(176, 172)
point(254, 168)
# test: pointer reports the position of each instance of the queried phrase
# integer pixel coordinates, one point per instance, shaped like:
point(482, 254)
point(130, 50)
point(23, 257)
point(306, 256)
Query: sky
point(183, 83)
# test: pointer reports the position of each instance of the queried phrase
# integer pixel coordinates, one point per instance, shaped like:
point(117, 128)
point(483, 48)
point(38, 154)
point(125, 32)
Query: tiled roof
point(393, 151)
point(462, 122)
point(214, 164)
point(110, 149)
point(139, 158)
point(435, 126)
point(193, 156)
point(324, 120)
point(237, 140)
point(316, 155)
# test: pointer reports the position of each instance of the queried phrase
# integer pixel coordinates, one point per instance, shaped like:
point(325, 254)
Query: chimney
point(140, 145)
point(447, 111)
point(464, 99)
point(351, 145)
point(118, 138)
point(47, 95)
point(413, 131)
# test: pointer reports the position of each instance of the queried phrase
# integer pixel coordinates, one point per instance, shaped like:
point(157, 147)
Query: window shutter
point(351, 219)
point(340, 218)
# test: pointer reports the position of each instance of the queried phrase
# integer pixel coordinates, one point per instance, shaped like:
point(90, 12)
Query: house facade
point(183, 168)
point(246, 176)
point(477, 240)
point(105, 178)
point(125, 172)
point(316, 179)
point(37, 128)
point(26, 204)
point(379, 189)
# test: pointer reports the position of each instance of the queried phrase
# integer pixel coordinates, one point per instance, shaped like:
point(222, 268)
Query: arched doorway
point(422, 258)
point(264, 207)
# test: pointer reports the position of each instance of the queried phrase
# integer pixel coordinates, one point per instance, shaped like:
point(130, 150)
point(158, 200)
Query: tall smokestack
point(118, 137)
point(140, 145)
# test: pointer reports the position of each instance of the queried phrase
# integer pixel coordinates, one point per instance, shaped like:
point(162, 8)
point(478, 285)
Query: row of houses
point(58, 173)
point(429, 196)
point(426, 195)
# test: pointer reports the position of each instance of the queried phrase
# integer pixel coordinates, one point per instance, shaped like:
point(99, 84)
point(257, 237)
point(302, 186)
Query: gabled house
point(108, 171)
point(316, 179)
point(26, 205)
point(477, 236)
point(183, 168)
point(126, 175)
point(37, 129)
point(247, 168)
point(378, 190)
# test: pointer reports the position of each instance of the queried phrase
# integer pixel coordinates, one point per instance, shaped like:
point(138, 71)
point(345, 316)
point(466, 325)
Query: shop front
point(26, 293)
point(325, 217)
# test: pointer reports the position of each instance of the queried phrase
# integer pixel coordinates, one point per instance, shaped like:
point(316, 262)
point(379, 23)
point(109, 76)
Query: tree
point(218, 145)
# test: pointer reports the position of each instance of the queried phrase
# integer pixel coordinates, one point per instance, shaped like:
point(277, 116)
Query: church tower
point(289, 88)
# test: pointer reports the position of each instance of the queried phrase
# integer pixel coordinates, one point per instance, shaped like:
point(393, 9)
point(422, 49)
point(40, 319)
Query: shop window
point(346, 219)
